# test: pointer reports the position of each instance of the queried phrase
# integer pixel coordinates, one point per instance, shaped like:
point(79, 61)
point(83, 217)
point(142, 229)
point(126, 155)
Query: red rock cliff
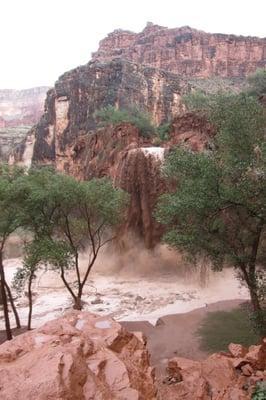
point(186, 51)
point(69, 137)
point(150, 70)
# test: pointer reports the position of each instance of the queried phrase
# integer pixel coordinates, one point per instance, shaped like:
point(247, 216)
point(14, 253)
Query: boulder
point(78, 357)
point(221, 376)
point(256, 356)
point(237, 350)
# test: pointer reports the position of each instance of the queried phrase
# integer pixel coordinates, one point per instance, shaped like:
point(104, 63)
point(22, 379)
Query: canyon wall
point(186, 51)
point(151, 70)
point(19, 111)
point(69, 135)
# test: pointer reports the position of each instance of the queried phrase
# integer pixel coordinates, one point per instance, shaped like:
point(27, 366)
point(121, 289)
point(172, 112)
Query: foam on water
point(132, 298)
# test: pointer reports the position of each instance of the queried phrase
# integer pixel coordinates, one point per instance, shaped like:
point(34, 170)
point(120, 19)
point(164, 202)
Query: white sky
point(41, 39)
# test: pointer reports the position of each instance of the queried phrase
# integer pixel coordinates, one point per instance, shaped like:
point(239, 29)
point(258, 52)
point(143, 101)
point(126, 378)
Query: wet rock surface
point(216, 378)
point(84, 356)
point(79, 356)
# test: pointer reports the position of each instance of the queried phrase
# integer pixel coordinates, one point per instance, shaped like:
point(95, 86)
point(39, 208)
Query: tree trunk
point(30, 301)
point(77, 303)
point(254, 299)
point(77, 300)
point(250, 280)
point(11, 301)
point(251, 271)
point(4, 299)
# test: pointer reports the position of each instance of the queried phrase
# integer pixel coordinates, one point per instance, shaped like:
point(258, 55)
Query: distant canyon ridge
point(152, 70)
point(19, 111)
point(186, 51)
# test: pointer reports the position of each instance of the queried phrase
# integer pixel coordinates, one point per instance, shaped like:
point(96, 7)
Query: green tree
point(9, 222)
point(71, 216)
point(219, 206)
point(257, 82)
point(38, 251)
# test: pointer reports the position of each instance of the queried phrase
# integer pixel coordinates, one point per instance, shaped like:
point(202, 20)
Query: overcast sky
point(41, 39)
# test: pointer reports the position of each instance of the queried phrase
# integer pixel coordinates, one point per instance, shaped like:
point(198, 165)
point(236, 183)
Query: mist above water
point(130, 259)
point(130, 282)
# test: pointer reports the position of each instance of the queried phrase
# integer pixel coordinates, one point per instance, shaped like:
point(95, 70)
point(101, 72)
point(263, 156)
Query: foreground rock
point(78, 357)
point(222, 376)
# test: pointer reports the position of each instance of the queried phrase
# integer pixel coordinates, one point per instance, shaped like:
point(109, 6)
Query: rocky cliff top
point(186, 51)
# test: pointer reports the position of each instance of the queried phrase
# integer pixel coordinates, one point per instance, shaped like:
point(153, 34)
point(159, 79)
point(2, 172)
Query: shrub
point(163, 131)
point(260, 391)
point(142, 120)
point(257, 82)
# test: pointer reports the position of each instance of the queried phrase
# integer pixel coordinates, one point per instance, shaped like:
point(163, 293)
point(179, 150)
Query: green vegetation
point(257, 82)
point(142, 120)
point(221, 328)
point(163, 131)
point(218, 209)
point(64, 217)
point(10, 195)
point(259, 392)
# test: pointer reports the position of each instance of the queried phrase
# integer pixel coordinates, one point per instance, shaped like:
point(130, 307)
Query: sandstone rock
point(220, 374)
point(237, 350)
point(215, 378)
point(256, 356)
point(186, 51)
point(79, 356)
point(192, 131)
point(125, 73)
point(247, 370)
point(239, 362)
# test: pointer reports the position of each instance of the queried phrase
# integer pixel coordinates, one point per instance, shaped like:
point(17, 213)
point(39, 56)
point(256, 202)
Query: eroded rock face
point(68, 134)
point(191, 130)
point(124, 155)
point(131, 161)
point(221, 376)
point(70, 107)
point(78, 357)
point(186, 51)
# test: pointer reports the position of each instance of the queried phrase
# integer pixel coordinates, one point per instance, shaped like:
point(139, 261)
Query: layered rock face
point(69, 136)
point(186, 51)
point(70, 107)
point(151, 70)
point(78, 357)
point(19, 111)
